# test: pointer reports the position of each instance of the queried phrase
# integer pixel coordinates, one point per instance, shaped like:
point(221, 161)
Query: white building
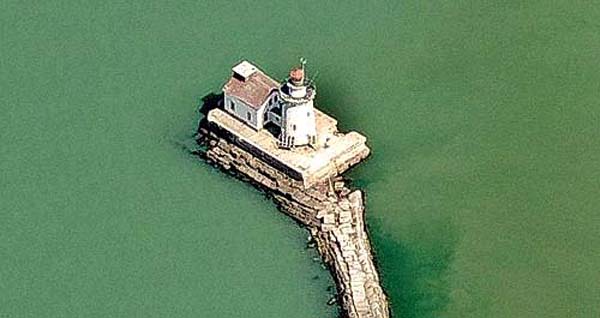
point(286, 109)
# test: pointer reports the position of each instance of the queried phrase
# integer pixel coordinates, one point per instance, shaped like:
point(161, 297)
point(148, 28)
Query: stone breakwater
point(332, 212)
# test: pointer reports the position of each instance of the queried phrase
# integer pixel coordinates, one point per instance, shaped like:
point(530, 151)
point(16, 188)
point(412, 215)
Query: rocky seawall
point(332, 212)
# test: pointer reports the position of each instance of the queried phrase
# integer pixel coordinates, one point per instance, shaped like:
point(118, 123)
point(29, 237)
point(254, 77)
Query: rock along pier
point(306, 184)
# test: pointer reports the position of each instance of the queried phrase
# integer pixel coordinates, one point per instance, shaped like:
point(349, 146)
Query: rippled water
point(482, 192)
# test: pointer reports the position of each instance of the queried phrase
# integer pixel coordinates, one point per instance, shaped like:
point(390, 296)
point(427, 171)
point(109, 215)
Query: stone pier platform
point(306, 184)
point(332, 155)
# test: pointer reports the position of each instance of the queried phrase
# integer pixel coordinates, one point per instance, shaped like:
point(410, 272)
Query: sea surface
point(483, 190)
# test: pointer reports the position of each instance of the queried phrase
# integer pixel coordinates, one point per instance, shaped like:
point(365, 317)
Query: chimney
point(243, 70)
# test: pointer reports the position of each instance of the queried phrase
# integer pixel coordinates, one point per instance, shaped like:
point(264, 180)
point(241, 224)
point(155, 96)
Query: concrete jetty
point(306, 184)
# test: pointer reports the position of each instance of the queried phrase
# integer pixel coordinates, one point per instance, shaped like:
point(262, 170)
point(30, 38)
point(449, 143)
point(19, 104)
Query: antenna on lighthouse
point(303, 66)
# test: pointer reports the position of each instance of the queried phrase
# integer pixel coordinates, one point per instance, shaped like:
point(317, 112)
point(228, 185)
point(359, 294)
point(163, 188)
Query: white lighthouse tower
point(298, 125)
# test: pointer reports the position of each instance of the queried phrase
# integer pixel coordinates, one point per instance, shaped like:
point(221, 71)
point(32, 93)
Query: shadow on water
point(209, 102)
point(193, 144)
point(415, 277)
point(205, 105)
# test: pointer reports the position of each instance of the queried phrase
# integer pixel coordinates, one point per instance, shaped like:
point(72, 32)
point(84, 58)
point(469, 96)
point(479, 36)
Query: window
point(307, 114)
point(276, 110)
point(249, 115)
point(275, 98)
point(231, 105)
point(294, 127)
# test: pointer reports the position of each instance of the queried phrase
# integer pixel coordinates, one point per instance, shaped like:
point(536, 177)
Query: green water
point(483, 190)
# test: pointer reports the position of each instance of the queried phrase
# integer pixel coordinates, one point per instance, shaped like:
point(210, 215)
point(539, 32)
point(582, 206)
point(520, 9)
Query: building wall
point(300, 123)
point(271, 103)
point(273, 118)
point(241, 111)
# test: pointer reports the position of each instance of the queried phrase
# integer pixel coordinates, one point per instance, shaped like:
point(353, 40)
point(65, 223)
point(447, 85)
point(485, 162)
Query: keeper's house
point(248, 94)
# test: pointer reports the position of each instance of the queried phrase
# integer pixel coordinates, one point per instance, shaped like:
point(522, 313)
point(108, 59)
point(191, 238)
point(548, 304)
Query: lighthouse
point(260, 102)
point(296, 98)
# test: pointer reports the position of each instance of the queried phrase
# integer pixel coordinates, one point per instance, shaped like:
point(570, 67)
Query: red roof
point(297, 74)
point(254, 91)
